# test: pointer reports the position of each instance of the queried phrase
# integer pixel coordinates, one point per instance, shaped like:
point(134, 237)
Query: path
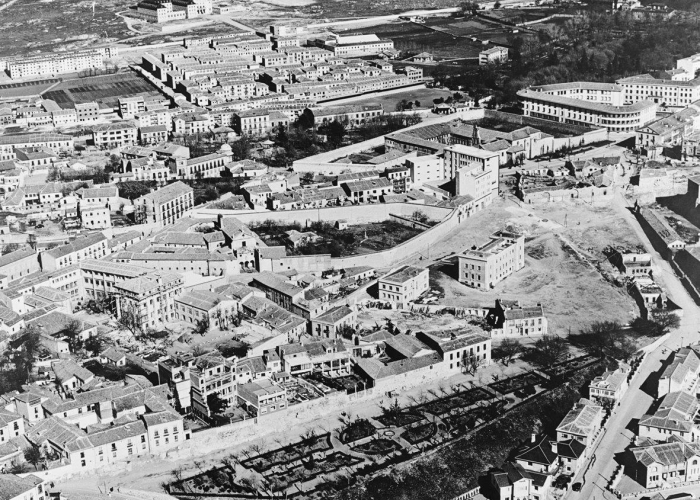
point(635, 402)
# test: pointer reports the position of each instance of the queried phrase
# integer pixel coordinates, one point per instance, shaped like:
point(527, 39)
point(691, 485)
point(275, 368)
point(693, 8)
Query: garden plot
point(518, 383)
point(312, 467)
point(288, 454)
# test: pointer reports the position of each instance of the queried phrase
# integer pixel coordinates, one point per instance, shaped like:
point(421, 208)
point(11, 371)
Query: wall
point(591, 195)
point(355, 214)
point(331, 168)
point(534, 122)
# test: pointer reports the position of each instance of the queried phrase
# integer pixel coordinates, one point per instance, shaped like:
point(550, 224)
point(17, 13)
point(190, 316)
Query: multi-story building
point(154, 134)
point(263, 396)
point(99, 277)
point(581, 423)
point(459, 349)
point(355, 45)
point(404, 285)
point(496, 260)
point(166, 205)
point(663, 92)
point(92, 246)
point(351, 115)
point(681, 374)
point(202, 167)
point(55, 142)
point(610, 386)
point(115, 135)
point(198, 305)
point(19, 263)
point(11, 425)
point(626, 118)
point(675, 417)
point(87, 112)
point(479, 170)
point(603, 93)
point(29, 487)
point(94, 216)
point(515, 320)
point(192, 123)
point(493, 55)
point(149, 298)
point(129, 107)
point(330, 323)
point(656, 465)
point(211, 373)
point(51, 64)
point(252, 122)
point(368, 190)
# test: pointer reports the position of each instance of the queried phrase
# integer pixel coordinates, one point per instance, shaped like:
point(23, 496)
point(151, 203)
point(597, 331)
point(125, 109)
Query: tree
point(129, 319)
point(201, 326)
point(346, 331)
point(507, 351)
point(95, 344)
point(419, 216)
point(548, 350)
point(666, 321)
point(72, 331)
point(33, 455)
point(393, 411)
point(335, 131)
point(241, 148)
point(10, 247)
point(470, 363)
point(216, 404)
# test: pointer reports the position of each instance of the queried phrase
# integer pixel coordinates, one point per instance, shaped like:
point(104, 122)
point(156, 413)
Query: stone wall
point(591, 195)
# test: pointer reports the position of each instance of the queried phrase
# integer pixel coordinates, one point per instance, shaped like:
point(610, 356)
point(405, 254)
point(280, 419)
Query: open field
point(101, 89)
point(423, 95)
point(19, 90)
point(572, 290)
point(32, 25)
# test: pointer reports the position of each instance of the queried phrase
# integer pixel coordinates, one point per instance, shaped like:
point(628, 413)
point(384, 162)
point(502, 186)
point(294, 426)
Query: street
point(635, 402)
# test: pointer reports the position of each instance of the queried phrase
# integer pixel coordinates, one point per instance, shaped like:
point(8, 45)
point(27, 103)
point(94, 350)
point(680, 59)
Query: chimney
point(554, 447)
point(533, 438)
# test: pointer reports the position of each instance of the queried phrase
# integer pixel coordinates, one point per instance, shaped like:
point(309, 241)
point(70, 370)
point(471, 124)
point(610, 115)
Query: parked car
point(576, 486)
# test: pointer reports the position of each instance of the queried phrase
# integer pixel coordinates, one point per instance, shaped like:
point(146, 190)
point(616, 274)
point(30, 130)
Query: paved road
point(635, 402)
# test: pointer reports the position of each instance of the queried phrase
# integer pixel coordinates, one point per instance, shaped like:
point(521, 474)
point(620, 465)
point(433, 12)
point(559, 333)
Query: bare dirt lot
point(564, 257)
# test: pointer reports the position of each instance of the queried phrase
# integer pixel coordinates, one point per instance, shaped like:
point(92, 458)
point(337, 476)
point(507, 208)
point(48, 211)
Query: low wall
point(591, 195)
point(355, 214)
point(534, 122)
point(331, 168)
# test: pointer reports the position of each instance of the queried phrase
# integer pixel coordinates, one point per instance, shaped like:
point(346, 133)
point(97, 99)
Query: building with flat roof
point(625, 118)
point(660, 91)
point(485, 266)
point(493, 55)
point(603, 93)
point(403, 285)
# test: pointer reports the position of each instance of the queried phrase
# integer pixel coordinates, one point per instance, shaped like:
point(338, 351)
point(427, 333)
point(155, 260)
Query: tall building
point(149, 298)
point(51, 64)
point(491, 263)
point(661, 91)
point(166, 205)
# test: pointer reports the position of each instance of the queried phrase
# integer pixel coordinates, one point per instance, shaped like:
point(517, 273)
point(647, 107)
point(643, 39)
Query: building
point(681, 374)
point(52, 141)
point(355, 45)
point(148, 299)
point(326, 357)
point(199, 305)
point(30, 487)
point(19, 263)
point(252, 122)
point(332, 322)
point(211, 373)
point(55, 63)
point(368, 191)
point(403, 285)
point(603, 93)
point(582, 423)
point(625, 118)
point(674, 417)
point(514, 482)
point(491, 263)
point(659, 91)
point(515, 320)
point(461, 350)
point(95, 217)
point(262, 396)
point(494, 55)
point(350, 115)
point(165, 205)
point(115, 135)
point(661, 234)
point(92, 246)
point(656, 465)
point(11, 425)
point(609, 387)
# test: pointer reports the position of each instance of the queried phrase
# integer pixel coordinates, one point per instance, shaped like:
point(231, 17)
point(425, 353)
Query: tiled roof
point(579, 420)
point(201, 299)
point(168, 193)
point(539, 452)
point(402, 275)
point(67, 369)
point(13, 486)
point(80, 243)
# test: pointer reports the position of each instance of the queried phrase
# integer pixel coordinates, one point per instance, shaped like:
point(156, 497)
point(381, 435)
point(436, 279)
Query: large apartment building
point(211, 373)
point(52, 64)
point(491, 263)
point(150, 298)
point(166, 205)
point(403, 285)
point(663, 92)
point(577, 111)
point(92, 246)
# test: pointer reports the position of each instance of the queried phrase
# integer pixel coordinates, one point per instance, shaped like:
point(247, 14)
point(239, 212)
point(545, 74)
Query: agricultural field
point(19, 90)
point(101, 89)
